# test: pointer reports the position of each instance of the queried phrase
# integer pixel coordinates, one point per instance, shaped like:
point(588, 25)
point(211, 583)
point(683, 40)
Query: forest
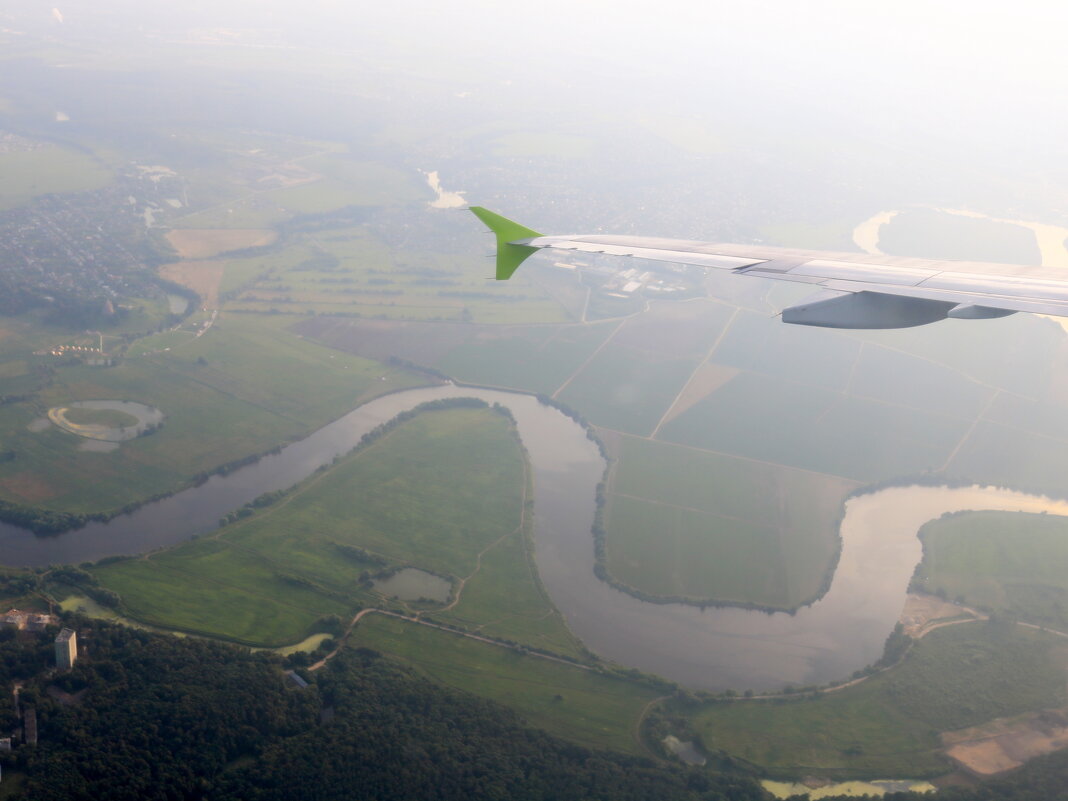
point(147, 716)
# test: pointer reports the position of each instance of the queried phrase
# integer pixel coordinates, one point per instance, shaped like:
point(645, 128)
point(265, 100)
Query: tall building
point(66, 649)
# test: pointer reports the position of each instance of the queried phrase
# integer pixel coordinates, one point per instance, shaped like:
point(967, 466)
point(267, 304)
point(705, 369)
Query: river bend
point(713, 648)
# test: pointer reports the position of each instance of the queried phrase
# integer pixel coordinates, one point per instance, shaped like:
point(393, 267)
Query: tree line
point(158, 717)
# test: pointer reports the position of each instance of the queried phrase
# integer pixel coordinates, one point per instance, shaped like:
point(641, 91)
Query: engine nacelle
point(832, 309)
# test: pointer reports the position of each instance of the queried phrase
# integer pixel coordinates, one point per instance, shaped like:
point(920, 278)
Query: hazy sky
point(871, 60)
point(977, 83)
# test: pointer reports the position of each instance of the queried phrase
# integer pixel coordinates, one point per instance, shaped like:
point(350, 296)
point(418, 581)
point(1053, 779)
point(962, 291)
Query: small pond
point(177, 304)
point(412, 584)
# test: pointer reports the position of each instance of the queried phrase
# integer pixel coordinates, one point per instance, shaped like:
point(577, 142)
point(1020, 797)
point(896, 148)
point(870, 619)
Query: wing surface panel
point(967, 290)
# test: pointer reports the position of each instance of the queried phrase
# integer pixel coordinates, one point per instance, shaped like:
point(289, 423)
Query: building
point(297, 679)
point(66, 649)
point(36, 622)
point(29, 723)
point(26, 620)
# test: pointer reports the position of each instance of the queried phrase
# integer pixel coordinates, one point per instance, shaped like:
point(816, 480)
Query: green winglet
point(509, 256)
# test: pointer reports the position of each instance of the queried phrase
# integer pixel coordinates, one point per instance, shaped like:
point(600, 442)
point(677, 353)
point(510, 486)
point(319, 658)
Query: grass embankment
point(889, 725)
point(689, 525)
point(433, 493)
point(100, 417)
point(244, 387)
point(580, 705)
point(1006, 562)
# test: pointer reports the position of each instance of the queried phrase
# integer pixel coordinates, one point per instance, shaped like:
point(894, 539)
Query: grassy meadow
point(351, 271)
point(49, 169)
point(697, 525)
point(244, 387)
point(1008, 563)
point(580, 705)
point(532, 358)
point(955, 677)
point(434, 493)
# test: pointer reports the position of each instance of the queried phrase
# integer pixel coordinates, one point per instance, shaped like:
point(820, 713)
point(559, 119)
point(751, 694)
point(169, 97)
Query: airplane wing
point(854, 290)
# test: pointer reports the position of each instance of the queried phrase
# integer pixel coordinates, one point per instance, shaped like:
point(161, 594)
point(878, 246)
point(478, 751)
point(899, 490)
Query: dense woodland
point(145, 716)
point(168, 718)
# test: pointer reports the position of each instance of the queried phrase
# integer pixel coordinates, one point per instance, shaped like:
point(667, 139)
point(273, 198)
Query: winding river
point(712, 648)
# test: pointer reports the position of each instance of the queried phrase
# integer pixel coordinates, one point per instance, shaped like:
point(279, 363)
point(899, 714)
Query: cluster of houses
point(66, 654)
point(66, 640)
point(28, 621)
point(626, 283)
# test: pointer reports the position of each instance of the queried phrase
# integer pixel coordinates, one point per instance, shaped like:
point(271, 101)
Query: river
point(711, 649)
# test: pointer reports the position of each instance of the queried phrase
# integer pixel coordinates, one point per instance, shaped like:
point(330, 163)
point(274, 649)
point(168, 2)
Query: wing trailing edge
point(857, 291)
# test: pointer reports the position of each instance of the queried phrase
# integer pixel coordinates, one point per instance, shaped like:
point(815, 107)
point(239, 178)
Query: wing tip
point(509, 255)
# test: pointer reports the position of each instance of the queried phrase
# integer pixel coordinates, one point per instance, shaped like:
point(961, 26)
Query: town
point(78, 253)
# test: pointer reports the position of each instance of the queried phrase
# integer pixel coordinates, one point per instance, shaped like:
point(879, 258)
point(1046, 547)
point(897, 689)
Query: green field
point(630, 383)
point(351, 271)
point(434, 493)
point(46, 170)
point(1005, 562)
point(539, 361)
point(244, 387)
point(815, 357)
point(260, 181)
point(856, 438)
point(580, 705)
point(533, 358)
point(155, 343)
point(955, 677)
point(506, 599)
point(689, 524)
point(1004, 455)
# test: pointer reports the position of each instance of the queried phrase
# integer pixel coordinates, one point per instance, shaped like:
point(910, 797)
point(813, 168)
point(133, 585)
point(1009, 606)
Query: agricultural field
point(1002, 454)
point(49, 169)
point(351, 271)
point(817, 430)
point(1008, 563)
point(240, 389)
point(435, 493)
point(688, 524)
point(580, 705)
point(204, 243)
point(889, 725)
point(531, 358)
point(263, 181)
point(631, 383)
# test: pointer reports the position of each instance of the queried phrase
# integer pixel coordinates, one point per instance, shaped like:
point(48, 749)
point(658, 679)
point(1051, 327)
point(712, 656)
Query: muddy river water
point(711, 648)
